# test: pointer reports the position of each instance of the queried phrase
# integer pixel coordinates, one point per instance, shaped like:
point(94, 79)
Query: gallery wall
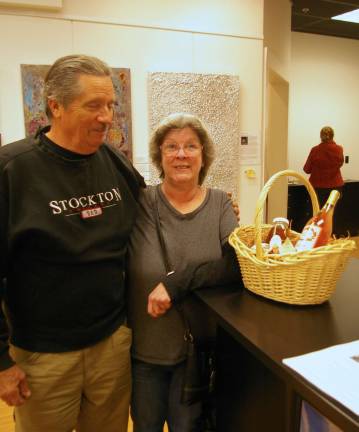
point(324, 90)
point(143, 36)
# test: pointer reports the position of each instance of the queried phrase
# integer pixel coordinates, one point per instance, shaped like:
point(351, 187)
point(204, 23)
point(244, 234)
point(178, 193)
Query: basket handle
point(263, 196)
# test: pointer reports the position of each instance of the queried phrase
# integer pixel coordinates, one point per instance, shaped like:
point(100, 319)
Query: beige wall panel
point(28, 41)
point(239, 18)
point(277, 35)
point(43, 4)
point(243, 18)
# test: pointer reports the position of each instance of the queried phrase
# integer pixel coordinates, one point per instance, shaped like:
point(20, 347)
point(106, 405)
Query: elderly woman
point(195, 222)
point(323, 165)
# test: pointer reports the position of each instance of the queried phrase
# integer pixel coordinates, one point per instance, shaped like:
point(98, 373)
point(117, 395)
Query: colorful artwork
point(120, 134)
point(32, 89)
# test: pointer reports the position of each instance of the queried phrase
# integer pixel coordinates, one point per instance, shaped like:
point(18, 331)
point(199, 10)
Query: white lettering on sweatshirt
point(75, 205)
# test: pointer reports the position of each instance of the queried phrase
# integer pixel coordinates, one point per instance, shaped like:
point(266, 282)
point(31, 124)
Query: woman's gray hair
point(62, 79)
point(181, 121)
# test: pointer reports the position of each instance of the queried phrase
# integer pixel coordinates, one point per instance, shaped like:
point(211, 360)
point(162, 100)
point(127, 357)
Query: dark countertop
point(272, 331)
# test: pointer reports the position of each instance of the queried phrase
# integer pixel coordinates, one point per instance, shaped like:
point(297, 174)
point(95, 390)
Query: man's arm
point(5, 360)
point(13, 386)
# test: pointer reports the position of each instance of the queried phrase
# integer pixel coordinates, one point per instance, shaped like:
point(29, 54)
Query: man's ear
point(54, 107)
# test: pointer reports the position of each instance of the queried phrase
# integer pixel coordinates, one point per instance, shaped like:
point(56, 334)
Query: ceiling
point(313, 16)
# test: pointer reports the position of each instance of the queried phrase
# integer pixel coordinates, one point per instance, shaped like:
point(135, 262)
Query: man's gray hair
point(61, 82)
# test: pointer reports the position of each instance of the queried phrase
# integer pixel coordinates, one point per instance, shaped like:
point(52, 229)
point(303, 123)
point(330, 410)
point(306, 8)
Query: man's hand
point(234, 205)
point(13, 386)
point(158, 301)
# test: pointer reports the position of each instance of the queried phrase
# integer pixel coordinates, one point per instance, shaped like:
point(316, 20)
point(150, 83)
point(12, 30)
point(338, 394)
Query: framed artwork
point(120, 134)
point(215, 99)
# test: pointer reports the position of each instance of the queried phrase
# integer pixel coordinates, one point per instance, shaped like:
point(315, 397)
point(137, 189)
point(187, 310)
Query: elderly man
point(67, 205)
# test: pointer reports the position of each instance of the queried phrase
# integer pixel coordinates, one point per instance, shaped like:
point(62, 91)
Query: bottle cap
point(282, 220)
point(333, 197)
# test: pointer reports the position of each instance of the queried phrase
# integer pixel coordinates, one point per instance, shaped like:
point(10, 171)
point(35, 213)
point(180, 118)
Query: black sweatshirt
point(65, 220)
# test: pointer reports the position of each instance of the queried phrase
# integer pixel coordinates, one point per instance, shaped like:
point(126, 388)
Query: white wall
point(242, 18)
point(277, 40)
point(277, 35)
point(41, 37)
point(324, 91)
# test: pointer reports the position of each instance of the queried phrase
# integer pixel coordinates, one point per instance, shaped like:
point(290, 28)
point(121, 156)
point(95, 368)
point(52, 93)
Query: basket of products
point(302, 275)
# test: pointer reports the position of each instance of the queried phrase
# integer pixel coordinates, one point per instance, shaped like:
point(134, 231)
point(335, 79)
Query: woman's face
point(181, 156)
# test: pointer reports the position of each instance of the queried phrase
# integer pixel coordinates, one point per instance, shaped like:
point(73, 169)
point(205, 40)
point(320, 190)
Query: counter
point(256, 392)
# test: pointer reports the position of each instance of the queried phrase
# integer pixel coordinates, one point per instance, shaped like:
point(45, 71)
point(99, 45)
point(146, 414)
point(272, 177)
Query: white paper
point(249, 149)
point(334, 370)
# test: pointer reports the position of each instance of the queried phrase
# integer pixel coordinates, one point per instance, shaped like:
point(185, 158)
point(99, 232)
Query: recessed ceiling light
point(352, 16)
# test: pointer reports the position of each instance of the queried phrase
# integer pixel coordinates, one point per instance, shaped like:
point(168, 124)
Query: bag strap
point(168, 266)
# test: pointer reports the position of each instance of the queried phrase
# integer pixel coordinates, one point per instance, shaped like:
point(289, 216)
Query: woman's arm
point(177, 286)
point(174, 287)
point(308, 164)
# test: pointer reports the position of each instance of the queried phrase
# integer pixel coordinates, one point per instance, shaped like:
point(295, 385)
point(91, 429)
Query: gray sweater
point(198, 251)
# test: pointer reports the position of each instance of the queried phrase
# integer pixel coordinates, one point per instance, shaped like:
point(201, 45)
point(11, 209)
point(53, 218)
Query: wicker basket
point(301, 278)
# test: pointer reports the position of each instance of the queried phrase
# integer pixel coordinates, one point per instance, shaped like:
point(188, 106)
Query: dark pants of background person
point(156, 393)
point(323, 194)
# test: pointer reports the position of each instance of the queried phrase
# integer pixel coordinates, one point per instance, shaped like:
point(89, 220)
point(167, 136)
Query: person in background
point(196, 222)
point(323, 165)
point(67, 206)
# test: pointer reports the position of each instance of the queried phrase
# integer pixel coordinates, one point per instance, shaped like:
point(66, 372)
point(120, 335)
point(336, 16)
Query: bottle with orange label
point(318, 229)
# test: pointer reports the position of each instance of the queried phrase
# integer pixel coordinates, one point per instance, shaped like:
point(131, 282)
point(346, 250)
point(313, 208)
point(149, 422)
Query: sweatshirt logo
point(84, 204)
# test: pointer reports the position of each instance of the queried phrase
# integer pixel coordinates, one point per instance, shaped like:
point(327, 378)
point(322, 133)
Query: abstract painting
point(215, 100)
point(120, 134)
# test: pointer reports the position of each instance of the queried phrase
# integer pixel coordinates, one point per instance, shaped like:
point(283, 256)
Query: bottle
point(280, 227)
point(318, 229)
point(277, 234)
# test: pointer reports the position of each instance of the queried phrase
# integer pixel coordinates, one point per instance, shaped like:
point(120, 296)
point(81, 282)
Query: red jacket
point(323, 165)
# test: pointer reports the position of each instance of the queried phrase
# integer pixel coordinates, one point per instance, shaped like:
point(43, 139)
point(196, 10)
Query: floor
point(6, 420)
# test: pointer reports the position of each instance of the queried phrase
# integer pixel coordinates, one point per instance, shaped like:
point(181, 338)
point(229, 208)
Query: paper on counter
point(334, 371)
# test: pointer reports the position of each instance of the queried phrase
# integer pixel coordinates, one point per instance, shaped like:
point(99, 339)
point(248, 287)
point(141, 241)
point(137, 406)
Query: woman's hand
point(234, 205)
point(158, 301)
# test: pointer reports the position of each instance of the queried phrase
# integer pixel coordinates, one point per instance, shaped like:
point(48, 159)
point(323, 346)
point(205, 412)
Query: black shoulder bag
point(199, 377)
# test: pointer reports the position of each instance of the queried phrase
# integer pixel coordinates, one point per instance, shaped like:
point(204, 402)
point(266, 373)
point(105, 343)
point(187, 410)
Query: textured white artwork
point(215, 100)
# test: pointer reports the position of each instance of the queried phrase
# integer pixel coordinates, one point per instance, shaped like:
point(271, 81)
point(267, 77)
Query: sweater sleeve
point(5, 360)
point(133, 178)
point(219, 272)
point(308, 164)
point(339, 156)
point(222, 271)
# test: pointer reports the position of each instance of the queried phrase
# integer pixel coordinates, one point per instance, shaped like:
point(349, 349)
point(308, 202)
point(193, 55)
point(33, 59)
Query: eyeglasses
point(189, 149)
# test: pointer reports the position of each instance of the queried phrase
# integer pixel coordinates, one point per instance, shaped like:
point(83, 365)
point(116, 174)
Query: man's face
point(84, 123)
